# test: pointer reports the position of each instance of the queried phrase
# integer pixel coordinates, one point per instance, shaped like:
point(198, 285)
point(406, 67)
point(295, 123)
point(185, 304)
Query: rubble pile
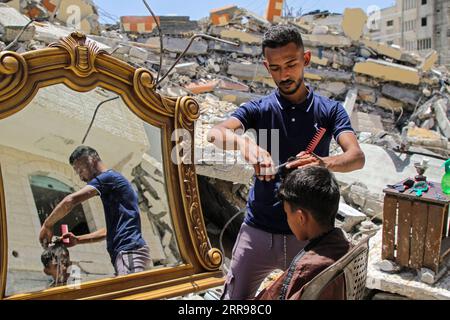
point(399, 102)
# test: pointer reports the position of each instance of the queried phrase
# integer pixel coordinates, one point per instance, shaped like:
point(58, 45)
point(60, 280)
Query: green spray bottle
point(445, 183)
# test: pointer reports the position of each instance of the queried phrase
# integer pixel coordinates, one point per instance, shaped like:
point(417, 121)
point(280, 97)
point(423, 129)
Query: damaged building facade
point(398, 100)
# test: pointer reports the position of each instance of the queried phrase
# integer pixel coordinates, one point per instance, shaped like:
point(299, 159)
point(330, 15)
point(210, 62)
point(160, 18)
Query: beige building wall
point(417, 26)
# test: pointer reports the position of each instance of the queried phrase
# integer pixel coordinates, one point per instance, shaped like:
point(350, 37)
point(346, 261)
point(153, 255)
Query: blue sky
point(197, 9)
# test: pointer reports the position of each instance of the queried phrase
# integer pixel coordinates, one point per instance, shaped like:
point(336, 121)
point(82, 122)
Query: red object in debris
point(64, 230)
point(202, 87)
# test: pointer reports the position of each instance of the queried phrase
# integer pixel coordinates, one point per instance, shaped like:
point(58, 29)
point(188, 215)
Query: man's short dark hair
point(54, 254)
point(281, 35)
point(313, 189)
point(83, 151)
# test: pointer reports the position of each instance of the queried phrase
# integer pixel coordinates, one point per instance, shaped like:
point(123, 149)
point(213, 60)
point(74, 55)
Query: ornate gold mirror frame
point(82, 66)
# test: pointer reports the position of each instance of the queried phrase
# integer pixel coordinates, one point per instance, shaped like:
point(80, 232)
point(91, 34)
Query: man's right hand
point(260, 159)
point(73, 239)
point(45, 235)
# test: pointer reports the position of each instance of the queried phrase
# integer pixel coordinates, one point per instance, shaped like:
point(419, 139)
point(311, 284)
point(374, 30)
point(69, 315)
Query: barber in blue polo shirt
point(127, 248)
point(265, 241)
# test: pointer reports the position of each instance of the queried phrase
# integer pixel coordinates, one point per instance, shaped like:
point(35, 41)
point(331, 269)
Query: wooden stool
point(415, 229)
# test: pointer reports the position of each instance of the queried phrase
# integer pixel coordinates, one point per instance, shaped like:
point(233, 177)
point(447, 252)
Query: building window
point(47, 193)
point(409, 25)
point(424, 21)
point(424, 2)
point(390, 23)
point(409, 4)
point(424, 44)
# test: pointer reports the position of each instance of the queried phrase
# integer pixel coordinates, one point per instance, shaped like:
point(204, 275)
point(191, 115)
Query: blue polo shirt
point(296, 125)
point(120, 203)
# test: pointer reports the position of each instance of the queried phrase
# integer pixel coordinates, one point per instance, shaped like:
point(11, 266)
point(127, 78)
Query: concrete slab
point(394, 166)
point(388, 71)
point(353, 23)
point(12, 22)
point(405, 283)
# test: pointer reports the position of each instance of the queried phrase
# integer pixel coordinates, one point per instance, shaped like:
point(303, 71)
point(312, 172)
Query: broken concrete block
point(367, 81)
point(229, 84)
point(428, 62)
point(247, 71)
point(222, 16)
point(383, 49)
point(353, 23)
point(202, 86)
point(334, 88)
point(12, 23)
point(388, 104)
point(178, 45)
point(325, 40)
point(388, 71)
point(427, 275)
point(426, 138)
point(245, 37)
point(138, 54)
point(401, 94)
point(31, 8)
point(73, 12)
point(244, 49)
point(441, 108)
point(350, 100)
point(366, 94)
point(188, 68)
point(332, 56)
point(388, 266)
point(351, 216)
point(323, 74)
point(236, 97)
point(317, 60)
point(366, 122)
point(320, 30)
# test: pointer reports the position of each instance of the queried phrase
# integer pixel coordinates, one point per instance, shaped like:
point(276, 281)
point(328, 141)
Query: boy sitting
point(56, 261)
point(311, 199)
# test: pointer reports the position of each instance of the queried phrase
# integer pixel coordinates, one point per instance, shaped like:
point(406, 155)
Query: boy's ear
point(302, 217)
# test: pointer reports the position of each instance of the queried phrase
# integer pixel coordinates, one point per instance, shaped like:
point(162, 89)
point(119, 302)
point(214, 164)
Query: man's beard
point(298, 84)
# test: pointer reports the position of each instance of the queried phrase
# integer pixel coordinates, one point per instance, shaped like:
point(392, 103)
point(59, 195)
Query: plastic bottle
point(445, 183)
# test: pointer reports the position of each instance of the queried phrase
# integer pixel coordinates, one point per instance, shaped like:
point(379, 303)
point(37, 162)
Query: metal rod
point(93, 117)
point(201, 35)
point(161, 42)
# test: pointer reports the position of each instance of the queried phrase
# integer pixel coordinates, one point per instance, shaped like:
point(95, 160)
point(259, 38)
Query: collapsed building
point(399, 103)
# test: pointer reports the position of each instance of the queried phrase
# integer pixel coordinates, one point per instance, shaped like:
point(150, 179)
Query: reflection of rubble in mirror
point(149, 182)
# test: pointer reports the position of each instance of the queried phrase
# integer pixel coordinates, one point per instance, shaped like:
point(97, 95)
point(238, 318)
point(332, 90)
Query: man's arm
point(352, 159)
point(92, 237)
point(62, 209)
point(228, 136)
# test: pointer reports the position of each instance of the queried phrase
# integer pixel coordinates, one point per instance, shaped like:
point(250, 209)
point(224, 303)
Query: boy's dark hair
point(83, 151)
point(313, 189)
point(281, 35)
point(55, 253)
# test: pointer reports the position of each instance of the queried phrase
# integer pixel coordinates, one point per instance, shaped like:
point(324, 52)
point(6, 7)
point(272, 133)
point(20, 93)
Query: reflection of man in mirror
point(128, 251)
point(56, 261)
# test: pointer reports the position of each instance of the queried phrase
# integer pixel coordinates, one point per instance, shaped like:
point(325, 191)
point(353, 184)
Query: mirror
point(48, 98)
point(35, 145)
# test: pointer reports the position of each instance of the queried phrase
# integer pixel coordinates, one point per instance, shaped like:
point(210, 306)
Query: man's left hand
point(305, 160)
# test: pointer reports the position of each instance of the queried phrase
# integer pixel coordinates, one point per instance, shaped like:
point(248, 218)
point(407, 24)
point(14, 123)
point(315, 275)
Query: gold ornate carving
point(13, 74)
point(186, 113)
point(82, 52)
point(144, 88)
